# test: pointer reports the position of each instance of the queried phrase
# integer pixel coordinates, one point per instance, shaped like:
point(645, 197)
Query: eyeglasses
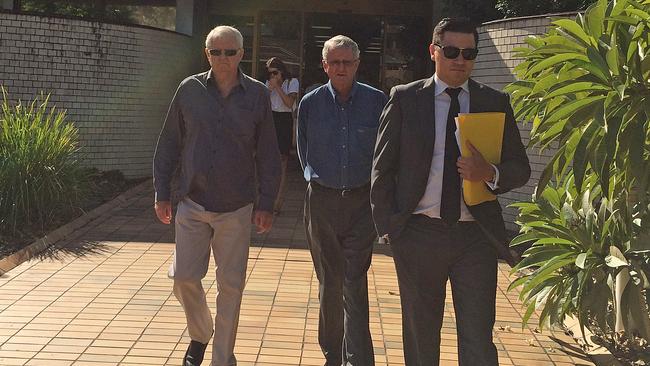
point(344, 63)
point(452, 52)
point(274, 72)
point(226, 52)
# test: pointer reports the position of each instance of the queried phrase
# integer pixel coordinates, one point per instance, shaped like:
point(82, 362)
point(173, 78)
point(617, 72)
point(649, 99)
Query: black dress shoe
point(194, 354)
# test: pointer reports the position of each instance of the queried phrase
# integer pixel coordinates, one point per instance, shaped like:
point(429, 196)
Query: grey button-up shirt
point(220, 145)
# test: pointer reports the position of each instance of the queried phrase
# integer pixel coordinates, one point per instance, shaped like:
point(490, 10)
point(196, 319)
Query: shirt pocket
point(244, 120)
point(366, 137)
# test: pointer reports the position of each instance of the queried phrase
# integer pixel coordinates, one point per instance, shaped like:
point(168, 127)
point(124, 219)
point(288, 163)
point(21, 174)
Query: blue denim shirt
point(336, 140)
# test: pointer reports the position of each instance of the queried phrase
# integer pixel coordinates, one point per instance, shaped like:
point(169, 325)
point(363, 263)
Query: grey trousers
point(426, 254)
point(228, 235)
point(340, 233)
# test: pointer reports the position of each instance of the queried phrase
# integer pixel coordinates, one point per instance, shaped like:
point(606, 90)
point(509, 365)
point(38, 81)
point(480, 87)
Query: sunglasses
point(344, 63)
point(218, 52)
point(452, 52)
point(273, 73)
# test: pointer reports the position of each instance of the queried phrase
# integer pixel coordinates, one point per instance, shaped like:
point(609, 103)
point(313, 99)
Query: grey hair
point(224, 31)
point(340, 42)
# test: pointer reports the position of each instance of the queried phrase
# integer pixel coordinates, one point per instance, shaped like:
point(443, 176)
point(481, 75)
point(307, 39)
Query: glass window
point(280, 37)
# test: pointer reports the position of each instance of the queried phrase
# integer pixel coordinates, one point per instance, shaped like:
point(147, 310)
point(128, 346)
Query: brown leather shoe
point(194, 354)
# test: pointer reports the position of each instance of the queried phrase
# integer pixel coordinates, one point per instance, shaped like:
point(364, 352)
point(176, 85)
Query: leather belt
point(343, 192)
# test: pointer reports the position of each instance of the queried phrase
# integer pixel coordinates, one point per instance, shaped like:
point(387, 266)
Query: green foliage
point(39, 171)
point(478, 11)
point(93, 9)
point(585, 85)
point(519, 8)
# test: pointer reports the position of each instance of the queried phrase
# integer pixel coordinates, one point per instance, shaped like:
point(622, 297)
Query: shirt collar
point(243, 82)
point(334, 92)
point(441, 86)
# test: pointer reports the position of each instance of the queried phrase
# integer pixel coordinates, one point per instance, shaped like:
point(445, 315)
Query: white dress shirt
point(430, 202)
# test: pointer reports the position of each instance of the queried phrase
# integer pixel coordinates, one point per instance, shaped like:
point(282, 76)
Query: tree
point(518, 8)
point(478, 11)
point(92, 10)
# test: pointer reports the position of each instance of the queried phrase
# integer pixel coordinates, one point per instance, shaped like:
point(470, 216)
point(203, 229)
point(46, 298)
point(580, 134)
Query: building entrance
point(393, 49)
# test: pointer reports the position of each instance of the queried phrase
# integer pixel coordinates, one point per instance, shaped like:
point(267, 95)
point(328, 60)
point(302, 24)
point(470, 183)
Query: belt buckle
point(345, 192)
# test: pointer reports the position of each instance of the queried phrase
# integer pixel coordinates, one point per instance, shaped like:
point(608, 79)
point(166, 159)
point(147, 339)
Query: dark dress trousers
point(429, 251)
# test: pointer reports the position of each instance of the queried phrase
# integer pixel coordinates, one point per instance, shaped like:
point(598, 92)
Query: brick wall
point(115, 81)
point(494, 67)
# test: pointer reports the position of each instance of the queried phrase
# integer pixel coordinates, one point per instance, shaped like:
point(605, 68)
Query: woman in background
point(284, 92)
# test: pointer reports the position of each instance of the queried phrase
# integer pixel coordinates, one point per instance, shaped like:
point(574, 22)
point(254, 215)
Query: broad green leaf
point(554, 60)
point(594, 17)
point(575, 30)
point(623, 19)
point(524, 238)
point(571, 107)
point(576, 87)
point(580, 155)
point(638, 12)
point(548, 270)
point(580, 260)
point(556, 241)
point(529, 312)
point(615, 258)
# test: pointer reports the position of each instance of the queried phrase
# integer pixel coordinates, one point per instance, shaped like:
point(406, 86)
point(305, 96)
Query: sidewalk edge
point(14, 260)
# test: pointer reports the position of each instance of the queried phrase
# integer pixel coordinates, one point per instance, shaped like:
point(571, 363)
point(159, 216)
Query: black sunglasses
point(227, 52)
point(452, 52)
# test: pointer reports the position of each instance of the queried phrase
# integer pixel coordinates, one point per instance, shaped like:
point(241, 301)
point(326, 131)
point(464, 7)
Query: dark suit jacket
point(404, 150)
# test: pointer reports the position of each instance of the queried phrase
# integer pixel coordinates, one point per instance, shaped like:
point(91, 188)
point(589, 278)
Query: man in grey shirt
point(219, 133)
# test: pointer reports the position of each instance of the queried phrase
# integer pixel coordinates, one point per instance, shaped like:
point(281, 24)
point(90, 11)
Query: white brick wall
point(494, 67)
point(115, 81)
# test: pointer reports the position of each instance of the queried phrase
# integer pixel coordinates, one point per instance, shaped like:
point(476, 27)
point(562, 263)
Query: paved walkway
point(103, 298)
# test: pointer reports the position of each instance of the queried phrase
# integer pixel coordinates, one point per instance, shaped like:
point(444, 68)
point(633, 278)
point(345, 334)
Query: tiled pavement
point(103, 298)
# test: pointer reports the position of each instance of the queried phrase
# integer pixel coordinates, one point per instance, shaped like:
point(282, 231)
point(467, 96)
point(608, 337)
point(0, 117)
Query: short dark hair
point(277, 63)
point(460, 25)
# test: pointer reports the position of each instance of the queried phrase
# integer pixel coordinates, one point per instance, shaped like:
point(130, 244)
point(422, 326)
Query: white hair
point(224, 31)
point(340, 42)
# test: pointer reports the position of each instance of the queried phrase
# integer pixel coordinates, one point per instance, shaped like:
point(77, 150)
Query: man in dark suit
point(418, 206)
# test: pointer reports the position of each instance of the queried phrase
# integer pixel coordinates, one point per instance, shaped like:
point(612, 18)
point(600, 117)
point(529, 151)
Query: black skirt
point(283, 130)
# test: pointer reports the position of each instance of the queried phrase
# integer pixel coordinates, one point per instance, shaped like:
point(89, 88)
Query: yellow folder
point(485, 132)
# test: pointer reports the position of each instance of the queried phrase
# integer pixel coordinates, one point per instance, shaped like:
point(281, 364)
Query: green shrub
point(40, 175)
point(585, 85)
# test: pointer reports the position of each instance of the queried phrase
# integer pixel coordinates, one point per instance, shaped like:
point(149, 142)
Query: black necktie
point(450, 200)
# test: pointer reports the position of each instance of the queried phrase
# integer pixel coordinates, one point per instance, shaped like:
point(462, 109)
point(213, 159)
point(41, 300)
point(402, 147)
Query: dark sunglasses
point(218, 52)
point(274, 72)
point(452, 52)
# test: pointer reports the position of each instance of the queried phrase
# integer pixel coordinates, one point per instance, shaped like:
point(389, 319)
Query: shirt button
point(344, 128)
point(343, 146)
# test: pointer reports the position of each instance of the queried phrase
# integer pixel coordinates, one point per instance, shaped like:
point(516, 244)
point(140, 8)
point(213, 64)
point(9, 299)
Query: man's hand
point(475, 168)
point(263, 220)
point(164, 211)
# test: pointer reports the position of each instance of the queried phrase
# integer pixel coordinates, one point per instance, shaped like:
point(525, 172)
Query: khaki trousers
point(228, 235)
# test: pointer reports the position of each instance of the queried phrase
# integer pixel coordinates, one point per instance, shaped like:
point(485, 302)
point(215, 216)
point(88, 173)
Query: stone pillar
point(7, 5)
point(185, 17)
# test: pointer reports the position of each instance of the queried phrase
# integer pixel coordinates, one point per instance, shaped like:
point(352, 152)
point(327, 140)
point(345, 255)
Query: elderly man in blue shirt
point(337, 128)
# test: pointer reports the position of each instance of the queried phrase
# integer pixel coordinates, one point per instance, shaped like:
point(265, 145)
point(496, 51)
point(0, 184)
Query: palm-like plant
point(585, 85)
point(40, 173)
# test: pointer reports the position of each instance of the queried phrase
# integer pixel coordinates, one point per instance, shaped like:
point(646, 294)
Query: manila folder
point(485, 132)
